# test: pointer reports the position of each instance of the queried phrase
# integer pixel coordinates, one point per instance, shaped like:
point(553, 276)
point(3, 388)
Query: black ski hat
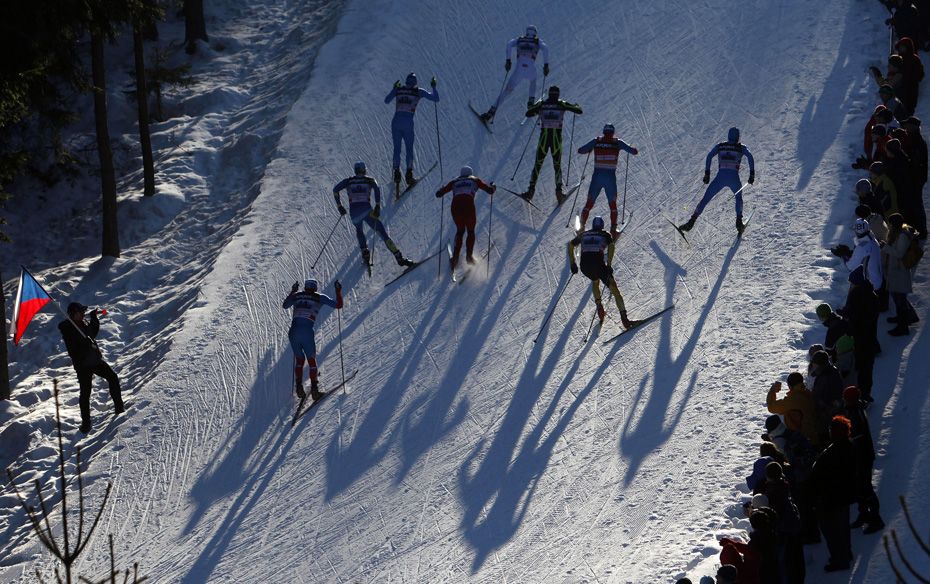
point(76, 307)
point(554, 91)
point(794, 379)
point(772, 422)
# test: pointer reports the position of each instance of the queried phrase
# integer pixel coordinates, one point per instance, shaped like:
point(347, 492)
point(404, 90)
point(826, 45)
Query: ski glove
point(841, 251)
point(342, 210)
point(397, 84)
point(635, 151)
point(338, 285)
point(752, 178)
point(545, 68)
point(574, 268)
point(706, 176)
point(295, 288)
point(432, 82)
point(507, 65)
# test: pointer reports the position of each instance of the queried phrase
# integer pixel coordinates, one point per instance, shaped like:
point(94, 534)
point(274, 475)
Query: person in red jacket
point(464, 188)
point(912, 69)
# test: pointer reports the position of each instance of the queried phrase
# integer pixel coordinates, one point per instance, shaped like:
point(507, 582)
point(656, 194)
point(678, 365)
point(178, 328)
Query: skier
point(306, 306)
point(464, 188)
point(729, 155)
point(528, 47)
point(594, 243)
point(606, 149)
point(551, 113)
point(406, 97)
point(359, 189)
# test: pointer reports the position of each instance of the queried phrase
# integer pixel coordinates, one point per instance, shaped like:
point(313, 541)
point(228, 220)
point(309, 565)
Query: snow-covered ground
point(463, 451)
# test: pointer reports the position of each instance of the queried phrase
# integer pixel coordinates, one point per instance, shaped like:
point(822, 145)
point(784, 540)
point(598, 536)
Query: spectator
point(80, 340)
point(887, 96)
point(865, 253)
point(838, 341)
point(759, 556)
point(864, 448)
point(918, 154)
point(797, 406)
point(727, 574)
point(894, 77)
point(787, 525)
point(864, 160)
point(862, 312)
point(683, 581)
point(768, 452)
point(827, 388)
point(864, 210)
point(899, 170)
point(912, 68)
point(880, 138)
point(899, 276)
point(905, 20)
point(834, 484)
point(883, 188)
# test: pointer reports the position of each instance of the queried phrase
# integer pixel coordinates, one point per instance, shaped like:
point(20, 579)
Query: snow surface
point(463, 451)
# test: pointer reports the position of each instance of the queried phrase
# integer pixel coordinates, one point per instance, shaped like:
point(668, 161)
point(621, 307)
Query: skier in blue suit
point(359, 189)
point(729, 156)
point(306, 307)
point(406, 97)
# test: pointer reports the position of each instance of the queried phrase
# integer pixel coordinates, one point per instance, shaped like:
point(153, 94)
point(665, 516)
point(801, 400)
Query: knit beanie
point(824, 310)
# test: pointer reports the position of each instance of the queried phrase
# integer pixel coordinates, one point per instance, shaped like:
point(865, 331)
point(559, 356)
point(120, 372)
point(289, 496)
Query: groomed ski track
point(464, 452)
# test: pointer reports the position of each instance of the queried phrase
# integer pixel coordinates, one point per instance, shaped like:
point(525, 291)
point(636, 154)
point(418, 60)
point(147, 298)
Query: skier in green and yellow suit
point(551, 113)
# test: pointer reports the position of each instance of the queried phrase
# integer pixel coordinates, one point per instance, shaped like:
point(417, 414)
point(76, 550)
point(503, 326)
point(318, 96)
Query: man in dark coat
point(827, 387)
point(862, 312)
point(861, 437)
point(905, 19)
point(918, 154)
point(834, 482)
point(79, 336)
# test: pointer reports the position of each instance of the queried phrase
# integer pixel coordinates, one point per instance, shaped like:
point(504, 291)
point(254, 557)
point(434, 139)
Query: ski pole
point(528, 138)
point(571, 149)
point(442, 204)
point(548, 316)
point(578, 190)
point(626, 173)
point(326, 242)
point(487, 272)
point(341, 360)
point(503, 83)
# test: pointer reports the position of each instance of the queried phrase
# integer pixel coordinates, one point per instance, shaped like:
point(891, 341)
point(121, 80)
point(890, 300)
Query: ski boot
point(899, 331)
point(614, 233)
point(299, 389)
point(453, 261)
point(627, 323)
point(470, 260)
point(488, 116)
point(601, 313)
point(85, 427)
point(873, 526)
point(402, 261)
point(687, 226)
point(528, 195)
point(529, 103)
point(411, 180)
point(315, 393)
point(119, 408)
point(559, 195)
point(396, 176)
point(739, 226)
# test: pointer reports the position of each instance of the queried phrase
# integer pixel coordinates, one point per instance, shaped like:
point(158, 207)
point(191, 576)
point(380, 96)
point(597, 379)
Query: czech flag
point(30, 298)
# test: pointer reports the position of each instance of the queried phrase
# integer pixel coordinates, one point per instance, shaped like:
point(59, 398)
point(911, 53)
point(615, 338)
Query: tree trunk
point(142, 101)
point(195, 26)
point(4, 357)
point(107, 173)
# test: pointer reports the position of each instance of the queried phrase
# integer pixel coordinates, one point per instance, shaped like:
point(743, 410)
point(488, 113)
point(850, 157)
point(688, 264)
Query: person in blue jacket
point(359, 189)
point(729, 156)
point(406, 97)
point(306, 305)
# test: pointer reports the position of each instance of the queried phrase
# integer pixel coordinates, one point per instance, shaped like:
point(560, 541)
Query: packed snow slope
point(464, 451)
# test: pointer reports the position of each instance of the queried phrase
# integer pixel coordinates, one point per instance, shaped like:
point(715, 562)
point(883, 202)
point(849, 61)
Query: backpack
point(913, 253)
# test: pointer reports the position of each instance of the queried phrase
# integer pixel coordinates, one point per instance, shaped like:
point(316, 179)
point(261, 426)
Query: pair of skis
point(469, 267)
point(400, 193)
point(739, 233)
point(300, 411)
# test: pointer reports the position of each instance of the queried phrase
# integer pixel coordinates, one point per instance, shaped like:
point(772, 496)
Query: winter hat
point(885, 116)
point(733, 135)
point(794, 379)
point(824, 310)
point(76, 307)
point(761, 500)
point(466, 171)
point(878, 130)
point(896, 61)
point(727, 574)
point(683, 581)
point(863, 186)
point(706, 580)
point(772, 422)
point(861, 227)
point(813, 349)
point(773, 471)
point(851, 394)
point(820, 358)
point(863, 211)
point(896, 220)
point(857, 276)
point(311, 284)
point(878, 109)
point(886, 90)
point(912, 121)
point(877, 167)
point(769, 449)
point(893, 145)
point(840, 427)
point(899, 133)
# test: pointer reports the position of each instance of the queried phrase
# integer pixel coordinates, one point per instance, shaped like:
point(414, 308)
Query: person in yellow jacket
point(797, 407)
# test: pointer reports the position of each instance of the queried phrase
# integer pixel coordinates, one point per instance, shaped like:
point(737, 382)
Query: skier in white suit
point(528, 48)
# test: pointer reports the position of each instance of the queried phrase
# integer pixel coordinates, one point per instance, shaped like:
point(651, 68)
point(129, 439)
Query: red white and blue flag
point(30, 298)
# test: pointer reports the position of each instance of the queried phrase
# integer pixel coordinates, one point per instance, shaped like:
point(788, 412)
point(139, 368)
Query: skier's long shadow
point(650, 431)
point(249, 475)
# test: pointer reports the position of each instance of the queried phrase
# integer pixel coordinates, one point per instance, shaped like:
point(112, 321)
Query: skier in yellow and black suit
point(597, 252)
point(551, 112)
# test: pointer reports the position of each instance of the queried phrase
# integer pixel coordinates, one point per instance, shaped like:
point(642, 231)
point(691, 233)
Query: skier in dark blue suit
point(306, 307)
point(406, 97)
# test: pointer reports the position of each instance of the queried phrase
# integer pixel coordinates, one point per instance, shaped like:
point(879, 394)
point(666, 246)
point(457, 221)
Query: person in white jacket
point(528, 48)
point(866, 252)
